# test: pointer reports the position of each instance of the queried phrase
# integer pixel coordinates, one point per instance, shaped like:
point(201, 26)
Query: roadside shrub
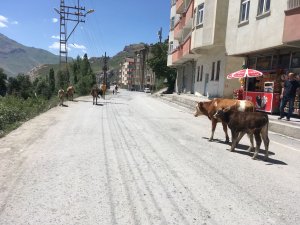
point(14, 110)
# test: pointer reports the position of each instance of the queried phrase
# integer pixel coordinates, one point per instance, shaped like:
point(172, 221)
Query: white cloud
point(77, 46)
point(55, 37)
point(3, 21)
point(54, 20)
point(55, 45)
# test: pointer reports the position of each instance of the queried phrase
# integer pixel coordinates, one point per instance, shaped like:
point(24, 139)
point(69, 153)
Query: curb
point(283, 128)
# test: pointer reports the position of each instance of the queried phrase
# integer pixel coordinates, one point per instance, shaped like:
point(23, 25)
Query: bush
point(14, 110)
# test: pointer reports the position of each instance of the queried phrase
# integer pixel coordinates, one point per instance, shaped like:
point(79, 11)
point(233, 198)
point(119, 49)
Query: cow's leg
point(251, 147)
point(266, 140)
point(234, 138)
point(96, 100)
point(240, 135)
point(258, 143)
point(225, 131)
point(213, 128)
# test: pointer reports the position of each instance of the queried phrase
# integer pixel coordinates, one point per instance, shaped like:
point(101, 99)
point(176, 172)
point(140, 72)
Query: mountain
point(16, 58)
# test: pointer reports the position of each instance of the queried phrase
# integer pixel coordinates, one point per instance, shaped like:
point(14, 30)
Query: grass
point(14, 111)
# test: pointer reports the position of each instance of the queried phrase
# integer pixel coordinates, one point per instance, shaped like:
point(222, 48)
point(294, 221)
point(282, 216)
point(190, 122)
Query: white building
point(127, 72)
point(197, 48)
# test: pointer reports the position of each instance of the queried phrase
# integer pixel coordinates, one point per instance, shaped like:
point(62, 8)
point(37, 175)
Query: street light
point(89, 11)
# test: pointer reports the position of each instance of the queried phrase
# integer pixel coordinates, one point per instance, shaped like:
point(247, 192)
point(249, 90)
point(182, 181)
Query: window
point(171, 47)
point(263, 6)
point(218, 70)
point(199, 14)
point(213, 71)
point(244, 15)
point(198, 73)
point(172, 23)
point(201, 73)
point(295, 60)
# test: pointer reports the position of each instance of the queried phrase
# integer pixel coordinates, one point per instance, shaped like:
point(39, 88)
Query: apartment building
point(197, 48)
point(266, 33)
point(126, 73)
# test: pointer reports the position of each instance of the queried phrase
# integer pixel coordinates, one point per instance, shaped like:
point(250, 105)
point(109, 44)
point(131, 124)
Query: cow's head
point(219, 115)
point(199, 107)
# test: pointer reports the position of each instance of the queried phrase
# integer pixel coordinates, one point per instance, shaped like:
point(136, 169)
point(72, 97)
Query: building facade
point(197, 48)
point(126, 73)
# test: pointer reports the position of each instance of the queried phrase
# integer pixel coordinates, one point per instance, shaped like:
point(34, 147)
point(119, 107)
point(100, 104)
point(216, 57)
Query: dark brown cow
point(94, 93)
point(209, 108)
point(61, 95)
point(252, 123)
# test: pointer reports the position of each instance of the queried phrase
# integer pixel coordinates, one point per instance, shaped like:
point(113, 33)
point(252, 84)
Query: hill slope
point(16, 58)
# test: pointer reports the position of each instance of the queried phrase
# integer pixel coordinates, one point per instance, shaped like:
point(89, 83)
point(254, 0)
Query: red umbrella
point(244, 73)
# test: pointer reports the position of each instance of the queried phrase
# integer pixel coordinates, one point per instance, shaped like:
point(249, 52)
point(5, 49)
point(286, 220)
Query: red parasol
point(244, 73)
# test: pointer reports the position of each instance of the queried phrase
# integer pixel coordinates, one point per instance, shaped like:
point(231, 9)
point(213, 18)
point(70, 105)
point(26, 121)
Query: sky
point(113, 25)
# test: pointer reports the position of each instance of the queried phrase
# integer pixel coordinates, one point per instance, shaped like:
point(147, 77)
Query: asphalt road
point(134, 159)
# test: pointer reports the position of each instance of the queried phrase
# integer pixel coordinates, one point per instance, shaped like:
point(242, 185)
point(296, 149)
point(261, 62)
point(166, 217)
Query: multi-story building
point(212, 38)
point(266, 33)
point(197, 47)
point(126, 71)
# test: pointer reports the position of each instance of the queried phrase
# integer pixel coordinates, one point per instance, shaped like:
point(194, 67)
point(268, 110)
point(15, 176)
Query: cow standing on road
point(209, 108)
point(70, 92)
point(252, 123)
point(61, 95)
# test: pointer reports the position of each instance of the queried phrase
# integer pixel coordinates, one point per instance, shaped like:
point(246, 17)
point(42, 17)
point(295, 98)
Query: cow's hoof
point(254, 157)
point(210, 140)
point(226, 141)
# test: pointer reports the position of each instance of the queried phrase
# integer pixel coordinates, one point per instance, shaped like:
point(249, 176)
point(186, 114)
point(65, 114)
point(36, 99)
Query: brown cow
point(209, 108)
point(252, 123)
point(70, 92)
point(95, 92)
point(61, 95)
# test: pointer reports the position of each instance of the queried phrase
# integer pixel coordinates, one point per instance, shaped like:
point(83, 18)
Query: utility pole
point(159, 33)
point(105, 68)
point(69, 13)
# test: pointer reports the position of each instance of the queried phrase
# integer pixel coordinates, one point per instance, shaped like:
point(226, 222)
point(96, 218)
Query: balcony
point(189, 16)
point(177, 55)
point(293, 4)
point(179, 28)
point(186, 49)
point(291, 32)
point(180, 6)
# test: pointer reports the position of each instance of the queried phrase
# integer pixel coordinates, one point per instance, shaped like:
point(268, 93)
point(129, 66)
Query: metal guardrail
point(293, 4)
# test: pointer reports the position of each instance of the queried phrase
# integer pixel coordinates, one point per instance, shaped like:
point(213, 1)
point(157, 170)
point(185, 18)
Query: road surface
point(134, 159)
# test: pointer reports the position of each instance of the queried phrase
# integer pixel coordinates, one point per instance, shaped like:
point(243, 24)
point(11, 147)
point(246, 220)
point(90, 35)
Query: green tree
point(43, 88)
point(158, 63)
point(63, 79)
point(51, 80)
point(20, 86)
point(3, 80)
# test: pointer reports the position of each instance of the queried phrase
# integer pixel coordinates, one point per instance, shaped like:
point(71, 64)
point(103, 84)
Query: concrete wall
point(222, 87)
point(259, 33)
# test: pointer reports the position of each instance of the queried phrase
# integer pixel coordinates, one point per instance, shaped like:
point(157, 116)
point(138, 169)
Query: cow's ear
point(201, 104)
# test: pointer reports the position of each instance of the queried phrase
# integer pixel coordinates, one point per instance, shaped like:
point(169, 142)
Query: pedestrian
point(288, 94)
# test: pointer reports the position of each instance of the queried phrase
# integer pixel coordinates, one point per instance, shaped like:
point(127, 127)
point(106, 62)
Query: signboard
point(267, 102)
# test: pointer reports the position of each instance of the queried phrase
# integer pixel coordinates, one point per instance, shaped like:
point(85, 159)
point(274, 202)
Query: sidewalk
point(288, 128)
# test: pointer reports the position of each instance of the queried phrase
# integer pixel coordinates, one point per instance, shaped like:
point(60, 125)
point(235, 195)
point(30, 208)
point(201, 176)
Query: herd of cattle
point(241, 118)
point(238, 115)
point(95, 92)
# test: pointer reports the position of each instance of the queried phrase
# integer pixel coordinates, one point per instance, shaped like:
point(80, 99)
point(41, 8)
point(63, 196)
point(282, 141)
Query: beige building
point(197, 48)
point(266, 33)
point(126, 73)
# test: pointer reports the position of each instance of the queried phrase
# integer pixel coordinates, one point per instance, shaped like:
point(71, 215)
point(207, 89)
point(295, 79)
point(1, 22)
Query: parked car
point(147, 90)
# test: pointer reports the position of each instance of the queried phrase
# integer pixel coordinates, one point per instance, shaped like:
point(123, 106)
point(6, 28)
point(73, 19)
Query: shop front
point(264, 91)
